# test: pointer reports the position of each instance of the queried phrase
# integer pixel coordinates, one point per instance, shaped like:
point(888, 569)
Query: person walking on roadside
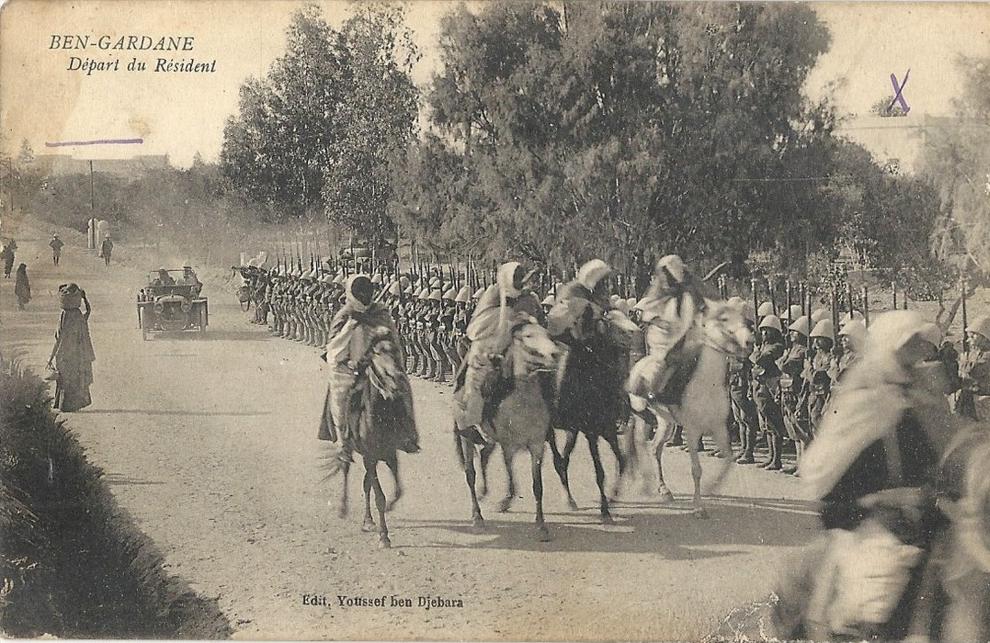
point(72, 355)
point(56, 245)
point(106, 248)
point(22, 287)
point(8, 257)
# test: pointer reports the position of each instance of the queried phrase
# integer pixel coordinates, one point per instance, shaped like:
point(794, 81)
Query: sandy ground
point(209, 442)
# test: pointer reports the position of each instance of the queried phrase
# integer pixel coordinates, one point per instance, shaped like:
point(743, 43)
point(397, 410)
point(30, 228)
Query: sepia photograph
point(500, 320)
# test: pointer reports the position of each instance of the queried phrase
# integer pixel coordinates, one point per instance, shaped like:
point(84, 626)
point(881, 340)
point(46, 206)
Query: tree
point(277, 148)
point(376, 121)
point(628, 130)
point(956, 162)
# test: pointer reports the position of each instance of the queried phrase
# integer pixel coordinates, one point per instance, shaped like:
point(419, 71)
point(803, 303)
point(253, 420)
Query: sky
point(180, 114)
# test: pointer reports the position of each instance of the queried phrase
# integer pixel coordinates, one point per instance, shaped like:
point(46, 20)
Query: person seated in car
point(189, 278)
point(164, 279)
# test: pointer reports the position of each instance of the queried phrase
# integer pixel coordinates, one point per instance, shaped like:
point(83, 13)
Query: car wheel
point(202, 320)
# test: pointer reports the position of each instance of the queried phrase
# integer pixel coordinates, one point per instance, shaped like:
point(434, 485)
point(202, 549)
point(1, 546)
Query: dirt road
point(209, 442)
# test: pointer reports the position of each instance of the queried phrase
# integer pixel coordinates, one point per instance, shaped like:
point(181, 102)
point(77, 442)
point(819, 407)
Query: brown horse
point(703, 406)
point(519, 416)
point(591, 397)
point(378, 404)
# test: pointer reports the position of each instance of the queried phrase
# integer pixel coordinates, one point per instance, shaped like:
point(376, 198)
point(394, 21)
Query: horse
point(376, 406)
point(703, 404)
point(519, 417)
point(591, 397)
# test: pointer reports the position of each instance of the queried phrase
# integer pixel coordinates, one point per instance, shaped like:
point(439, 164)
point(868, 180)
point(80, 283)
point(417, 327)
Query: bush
point(72, 562)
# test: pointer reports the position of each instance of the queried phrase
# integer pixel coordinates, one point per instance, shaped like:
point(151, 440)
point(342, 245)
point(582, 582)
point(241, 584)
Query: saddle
point(681, 363)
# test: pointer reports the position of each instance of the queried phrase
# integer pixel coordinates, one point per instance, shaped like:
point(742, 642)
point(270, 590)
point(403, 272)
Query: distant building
point(134, 167)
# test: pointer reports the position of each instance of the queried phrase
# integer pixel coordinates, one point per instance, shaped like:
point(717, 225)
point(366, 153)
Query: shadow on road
point(675, 535)
point(212, 335)
point(114, 479)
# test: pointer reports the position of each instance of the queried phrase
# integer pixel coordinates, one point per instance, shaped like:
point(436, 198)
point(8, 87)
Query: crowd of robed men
point(778, 394)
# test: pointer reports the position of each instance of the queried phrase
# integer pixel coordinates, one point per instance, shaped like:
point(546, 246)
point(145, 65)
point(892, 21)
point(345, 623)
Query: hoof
point(342, 512)
point(478, 522)
point(369, 525)
point(665, 496)
point(504, 505)
point(384, 543)
point(700, 513)
point(607, 519)
point(573, 505)
point(543, 534)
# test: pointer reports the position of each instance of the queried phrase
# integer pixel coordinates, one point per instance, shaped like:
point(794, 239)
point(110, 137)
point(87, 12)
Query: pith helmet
point(424, 293)
point(801, 325)
point(394, 288)
point(376, 278)
point(771, 321)
point(592, 272)
point(980, 326)
point(435, 282)
point(450, 294)
point(766, 308)
point(630, 303)
point(463, 295)
point(672, 264)
point(409, 290)
point(824, 329)
point(478, 293)
point(854, 316)
point(819, 314)
point(794, 312)
point(548, 300)
point(436, 295)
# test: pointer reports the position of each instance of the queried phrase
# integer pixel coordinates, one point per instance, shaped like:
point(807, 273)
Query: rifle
point(893, 289)
point(866, 305)
point(773, 297)
point(965, 319)
point(849, 296)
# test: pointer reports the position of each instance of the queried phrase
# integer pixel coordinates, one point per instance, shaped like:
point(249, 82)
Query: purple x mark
point(899, 92)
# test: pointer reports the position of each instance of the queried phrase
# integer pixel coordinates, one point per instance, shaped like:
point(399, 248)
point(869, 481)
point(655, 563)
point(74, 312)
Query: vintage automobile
point(171, 304)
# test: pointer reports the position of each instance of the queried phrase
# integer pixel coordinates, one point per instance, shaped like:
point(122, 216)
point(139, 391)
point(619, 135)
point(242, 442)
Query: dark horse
point(592, 399)
point(380, 403)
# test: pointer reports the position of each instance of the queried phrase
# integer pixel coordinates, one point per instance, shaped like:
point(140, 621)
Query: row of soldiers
point(778, 394)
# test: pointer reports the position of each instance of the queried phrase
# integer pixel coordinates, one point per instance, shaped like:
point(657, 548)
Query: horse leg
point(699, 510)
point(562, 461)
point(613, 441)
point(536, 463)
point(469, 473)
point(392, 462)
point(666, 496)
point(383, 539)
point(486, 455)
point(369, 523)
point(342, 511)
point(599, 478)
point(510, 493)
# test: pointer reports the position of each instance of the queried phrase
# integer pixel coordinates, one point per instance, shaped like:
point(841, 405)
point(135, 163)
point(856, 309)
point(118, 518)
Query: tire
point(202, 320)
point(144, 328)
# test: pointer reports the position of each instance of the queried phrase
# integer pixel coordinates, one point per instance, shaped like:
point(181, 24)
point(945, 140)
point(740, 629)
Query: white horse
point(703, 407)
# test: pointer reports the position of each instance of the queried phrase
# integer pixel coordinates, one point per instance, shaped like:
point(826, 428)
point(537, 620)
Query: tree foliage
point(956, 161)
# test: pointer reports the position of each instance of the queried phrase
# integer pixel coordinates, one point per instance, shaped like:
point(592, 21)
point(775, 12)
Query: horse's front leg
point(368, 524)
point(486, 455)
point(471, 475)
point(370, 467)
point(536, 464)
point(596, 457)
point(342, 511)
point(613, 442)
point(510, 492)
point(392, 463)
point(562, 461)
point(699, 510)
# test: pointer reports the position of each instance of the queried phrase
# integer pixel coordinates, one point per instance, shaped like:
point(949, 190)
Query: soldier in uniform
point(819, 370)
point(852, 338)
point(434, 335)
point(974, 372)
point(766, 383)
point(449, 342)
point(792, 386)
point(743, 409)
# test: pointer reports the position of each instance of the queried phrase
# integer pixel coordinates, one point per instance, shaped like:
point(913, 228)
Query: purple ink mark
point(899, 92)
point(99, 141)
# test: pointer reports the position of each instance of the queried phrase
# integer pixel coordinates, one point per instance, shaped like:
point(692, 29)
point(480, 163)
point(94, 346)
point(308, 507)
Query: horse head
point(533, 348)
point(724, 328)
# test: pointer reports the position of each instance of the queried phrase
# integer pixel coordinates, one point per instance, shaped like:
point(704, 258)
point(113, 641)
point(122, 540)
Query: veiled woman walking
point(22, 287)
point(72, 356)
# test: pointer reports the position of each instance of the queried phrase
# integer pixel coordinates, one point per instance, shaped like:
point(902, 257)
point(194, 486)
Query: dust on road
point(210, 443)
